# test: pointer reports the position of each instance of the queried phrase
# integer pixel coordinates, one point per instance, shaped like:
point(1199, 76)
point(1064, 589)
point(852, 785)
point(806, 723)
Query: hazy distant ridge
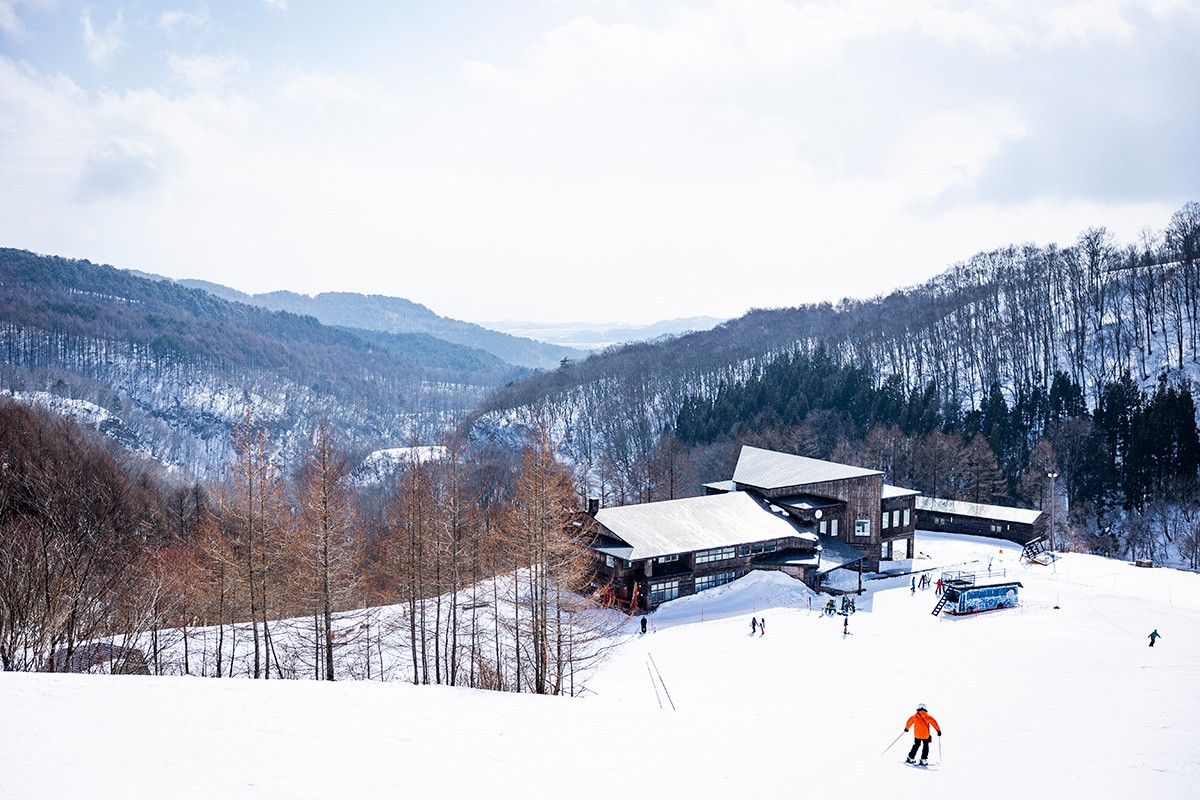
point(397, 315)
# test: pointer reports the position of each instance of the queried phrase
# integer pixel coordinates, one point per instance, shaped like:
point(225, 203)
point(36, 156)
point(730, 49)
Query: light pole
point(1052, 476)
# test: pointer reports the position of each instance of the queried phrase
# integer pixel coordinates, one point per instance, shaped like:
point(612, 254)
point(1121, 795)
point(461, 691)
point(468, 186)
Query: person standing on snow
point(643, 626)
point(920, 723)
point(1154, 634)
point(753, 625)
point(762, 627)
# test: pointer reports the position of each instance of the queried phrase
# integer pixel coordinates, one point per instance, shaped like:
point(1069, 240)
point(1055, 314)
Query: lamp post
point(1052, 476)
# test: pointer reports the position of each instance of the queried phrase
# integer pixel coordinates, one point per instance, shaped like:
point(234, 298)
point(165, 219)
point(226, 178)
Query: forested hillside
point(1059, 358)
point(183, 367)
point(399, 316)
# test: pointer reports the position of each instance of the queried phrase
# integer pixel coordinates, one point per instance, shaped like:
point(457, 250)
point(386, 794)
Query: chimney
point(593, 506)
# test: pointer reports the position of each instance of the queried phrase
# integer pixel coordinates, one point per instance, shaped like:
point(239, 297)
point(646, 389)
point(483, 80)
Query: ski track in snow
point(1036, 701)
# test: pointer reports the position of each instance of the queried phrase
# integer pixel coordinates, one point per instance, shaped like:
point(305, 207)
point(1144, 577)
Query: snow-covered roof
point(890, 491)
point(669, 527)
point(768, 469)
point(836, 554)
point(938, 505)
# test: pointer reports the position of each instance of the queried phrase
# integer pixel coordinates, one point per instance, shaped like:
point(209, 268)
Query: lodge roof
point(938, 505)
point(669, 527)
point(767, 469)
point(890, 492)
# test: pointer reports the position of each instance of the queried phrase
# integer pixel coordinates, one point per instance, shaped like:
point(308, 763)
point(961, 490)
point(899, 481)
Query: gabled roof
point(890, 492)
point(668, 527)
point(937, 505)
point(767, 469)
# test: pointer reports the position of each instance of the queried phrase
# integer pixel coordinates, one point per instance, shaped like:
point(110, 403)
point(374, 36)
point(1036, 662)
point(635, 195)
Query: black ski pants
point(924, 745)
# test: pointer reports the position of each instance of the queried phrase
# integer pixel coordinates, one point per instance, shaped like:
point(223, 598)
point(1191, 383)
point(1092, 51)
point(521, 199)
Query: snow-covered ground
point(1060, 697)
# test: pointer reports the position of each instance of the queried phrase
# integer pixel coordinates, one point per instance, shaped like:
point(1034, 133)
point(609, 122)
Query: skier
point(914, 585)
point(753, 625)
point(845, 627)
point(643, 626)
point(762, 627)
point(938, 586)
point(920, 723)
point(1154, 634)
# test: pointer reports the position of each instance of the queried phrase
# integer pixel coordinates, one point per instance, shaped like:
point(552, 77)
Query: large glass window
point(710, 581)
point(720, 554)
point(662, 591)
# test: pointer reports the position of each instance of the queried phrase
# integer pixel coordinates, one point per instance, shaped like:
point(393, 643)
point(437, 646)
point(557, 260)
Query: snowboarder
point(753, 625)
point(643, 626)
point(920, 723)
point(762, 627)
point(914, 585)
point(1154, 634)
point(845, 627)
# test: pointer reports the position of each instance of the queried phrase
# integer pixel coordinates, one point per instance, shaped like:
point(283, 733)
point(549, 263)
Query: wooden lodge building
point(801, 516)
point(979, 519)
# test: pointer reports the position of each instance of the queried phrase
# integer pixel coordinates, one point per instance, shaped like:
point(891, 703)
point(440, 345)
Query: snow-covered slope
point(1060, 697)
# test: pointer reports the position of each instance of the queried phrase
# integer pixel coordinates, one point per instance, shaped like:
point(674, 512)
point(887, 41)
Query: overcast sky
point(598, 160)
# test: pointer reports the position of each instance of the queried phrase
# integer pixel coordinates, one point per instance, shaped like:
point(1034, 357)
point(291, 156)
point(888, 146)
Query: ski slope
point(1060, 697)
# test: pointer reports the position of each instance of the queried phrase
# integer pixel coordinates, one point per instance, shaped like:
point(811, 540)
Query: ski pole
point(939, 747)
point(889, 747)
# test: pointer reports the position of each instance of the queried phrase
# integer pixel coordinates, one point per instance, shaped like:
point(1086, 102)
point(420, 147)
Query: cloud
point(119, 168)
point(10, 17)
point(208, 72)
point(279, 5)
point(171, 21)
point(100, 45)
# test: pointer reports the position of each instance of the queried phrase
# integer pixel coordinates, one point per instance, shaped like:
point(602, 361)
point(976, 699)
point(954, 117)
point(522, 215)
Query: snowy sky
point(566, 160)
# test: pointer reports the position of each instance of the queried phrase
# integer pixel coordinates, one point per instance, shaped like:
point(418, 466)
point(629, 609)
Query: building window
point(833, 528)
point(667, 559)
point(663, 591)
point(885, 551)
point(907, 518)
point(862, 527)
point(756, 548)
point(887, 520)
point(720, 554)
point(710, 581)
point(896, 518)
point(608, 561)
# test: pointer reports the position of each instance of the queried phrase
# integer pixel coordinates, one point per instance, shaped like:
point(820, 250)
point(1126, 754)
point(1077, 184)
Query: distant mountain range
point(396, 315)
point(175, 366)
point(593, 336)
point(180, 368)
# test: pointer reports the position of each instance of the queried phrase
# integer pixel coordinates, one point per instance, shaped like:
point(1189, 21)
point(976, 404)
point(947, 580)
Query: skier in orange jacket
point(920, 723)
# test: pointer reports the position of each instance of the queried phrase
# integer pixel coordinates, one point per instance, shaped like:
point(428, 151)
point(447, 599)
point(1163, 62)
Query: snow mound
point(757, 591)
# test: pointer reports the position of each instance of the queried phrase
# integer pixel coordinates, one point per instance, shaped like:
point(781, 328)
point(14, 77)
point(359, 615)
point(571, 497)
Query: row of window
point(720, 579)
point(895, 519)
point(720, 554)
point(662, 591)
